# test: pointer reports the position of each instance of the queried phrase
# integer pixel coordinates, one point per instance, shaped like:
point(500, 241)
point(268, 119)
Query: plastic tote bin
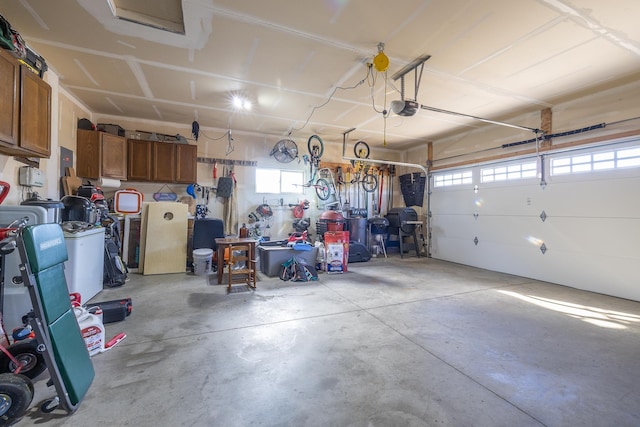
point(202, 261)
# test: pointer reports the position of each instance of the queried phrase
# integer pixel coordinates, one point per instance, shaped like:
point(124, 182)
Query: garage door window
point(606, 160)
point(509, 172)
point(453, 178)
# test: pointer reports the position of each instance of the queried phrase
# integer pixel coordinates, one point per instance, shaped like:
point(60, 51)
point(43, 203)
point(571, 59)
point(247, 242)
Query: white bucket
point(202, 261)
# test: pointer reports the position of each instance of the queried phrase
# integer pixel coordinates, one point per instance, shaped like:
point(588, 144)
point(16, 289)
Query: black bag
point(114, 310)
point(85, 124)
point(297, 270)
point(115, 270)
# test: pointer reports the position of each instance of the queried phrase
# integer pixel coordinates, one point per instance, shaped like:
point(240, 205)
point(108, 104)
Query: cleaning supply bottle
point(92, 330)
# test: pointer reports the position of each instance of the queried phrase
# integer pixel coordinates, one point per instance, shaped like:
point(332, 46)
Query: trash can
point(357, 228)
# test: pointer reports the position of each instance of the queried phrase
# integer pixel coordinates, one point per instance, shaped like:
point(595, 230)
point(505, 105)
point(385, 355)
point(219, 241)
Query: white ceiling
point(299, 61)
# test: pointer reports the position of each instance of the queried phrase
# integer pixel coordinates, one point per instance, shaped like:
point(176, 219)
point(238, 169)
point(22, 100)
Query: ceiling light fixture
point(240, 103)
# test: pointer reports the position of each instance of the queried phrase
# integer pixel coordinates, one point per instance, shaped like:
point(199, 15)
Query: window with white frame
point(452, 178)
point(509, 172)
point(596, 161)
point(276, 181)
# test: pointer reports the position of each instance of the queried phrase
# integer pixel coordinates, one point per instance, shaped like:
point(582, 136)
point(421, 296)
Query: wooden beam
point(546, 125)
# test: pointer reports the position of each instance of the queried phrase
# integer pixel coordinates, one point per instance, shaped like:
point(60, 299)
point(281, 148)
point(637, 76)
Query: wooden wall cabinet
point(164, 162)
point(139, 160)
point(25, 116)
point(101, 154)
point(161, 161)
point(186, 163)
point(9, 99)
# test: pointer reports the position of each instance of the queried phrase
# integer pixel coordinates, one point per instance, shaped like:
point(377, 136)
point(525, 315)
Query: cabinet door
point(88, 154)
point(114, 156)
point(35, 114)
point(164, 163)
point(186, 163)
point(9, 84)
point(139, 160)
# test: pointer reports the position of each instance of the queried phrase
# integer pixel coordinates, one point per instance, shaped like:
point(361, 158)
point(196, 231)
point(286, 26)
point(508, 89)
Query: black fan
point(285, 150)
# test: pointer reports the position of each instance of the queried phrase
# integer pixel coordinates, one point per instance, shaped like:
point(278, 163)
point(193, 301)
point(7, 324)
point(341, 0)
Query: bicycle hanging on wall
point(316, 149)
point(362, 172)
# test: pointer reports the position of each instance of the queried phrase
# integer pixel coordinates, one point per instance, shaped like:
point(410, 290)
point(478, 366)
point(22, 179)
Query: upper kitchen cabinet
point(161, 161)
point(25, 117)
point(9, 99)
point(139, 160)
point(101, 154)
point(186, 163)
point(164, 162)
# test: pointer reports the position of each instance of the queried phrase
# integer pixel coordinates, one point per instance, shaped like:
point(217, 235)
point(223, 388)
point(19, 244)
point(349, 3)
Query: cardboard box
point(336, 251)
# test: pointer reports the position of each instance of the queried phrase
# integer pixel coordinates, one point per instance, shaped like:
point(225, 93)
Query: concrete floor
point(393, 342)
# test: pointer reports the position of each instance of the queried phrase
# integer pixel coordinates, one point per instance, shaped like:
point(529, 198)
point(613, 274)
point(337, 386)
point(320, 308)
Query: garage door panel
point(605, 236)
point(609, 275)
point(454, 202)
point(593, 198)
point(511, 230)
point(454, 226)
point(509, 199)
point(489, 255)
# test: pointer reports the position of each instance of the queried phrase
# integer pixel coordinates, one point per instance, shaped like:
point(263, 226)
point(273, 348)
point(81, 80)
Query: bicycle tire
point(315, 150)
point(369, 182)
point(322, 189)
point(361, 150)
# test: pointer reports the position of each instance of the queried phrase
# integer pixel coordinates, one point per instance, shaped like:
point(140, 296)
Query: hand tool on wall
point(381, 173)
point(392, 172)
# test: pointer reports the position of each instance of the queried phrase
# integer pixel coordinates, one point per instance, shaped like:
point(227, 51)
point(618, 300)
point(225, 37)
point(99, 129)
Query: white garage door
point(580, 228)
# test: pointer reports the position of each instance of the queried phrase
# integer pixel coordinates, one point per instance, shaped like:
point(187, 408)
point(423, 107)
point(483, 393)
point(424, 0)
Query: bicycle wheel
point(370, 183)
point(361, 150)
point(322, 189)
point(315, 146)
